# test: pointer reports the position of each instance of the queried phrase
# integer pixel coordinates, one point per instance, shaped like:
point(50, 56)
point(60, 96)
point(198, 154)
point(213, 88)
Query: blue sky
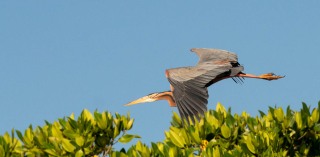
point(60, 57)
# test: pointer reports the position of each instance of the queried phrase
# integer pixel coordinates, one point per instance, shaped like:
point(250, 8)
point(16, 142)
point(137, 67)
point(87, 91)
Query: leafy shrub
point(89, 135)
point(218, 133)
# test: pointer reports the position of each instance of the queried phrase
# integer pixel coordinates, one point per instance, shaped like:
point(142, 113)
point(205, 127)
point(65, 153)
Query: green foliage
point(278, 132)
point(219, 133)
point(89, 135)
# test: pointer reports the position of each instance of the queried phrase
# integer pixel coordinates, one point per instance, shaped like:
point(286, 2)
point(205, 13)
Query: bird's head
point(149, 98)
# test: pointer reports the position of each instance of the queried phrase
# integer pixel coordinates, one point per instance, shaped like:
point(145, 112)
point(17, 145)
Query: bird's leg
point(267, 76)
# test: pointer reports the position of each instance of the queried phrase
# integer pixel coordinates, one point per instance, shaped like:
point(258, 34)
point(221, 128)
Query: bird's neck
point(167, 95)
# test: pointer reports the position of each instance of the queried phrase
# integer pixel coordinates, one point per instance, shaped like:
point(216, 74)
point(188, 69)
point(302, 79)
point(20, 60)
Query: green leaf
point(71, 116)
point(172, 152)
point(56, 132)
point(216, 152)
point(317, 127)
point(66, 144)
point(289, 112)
point(261, 113)
point(101, 120)
point(194, 133)
point(142, 149)
point(124, 122)
point(79, 153)
point(279, 114)
point(79, 141)
point(220, 108)
point(28, 137)
point(70, 134)
point(176, 139)
point(176, 120)
point(19, 135)
point(213, 121)
point(117, 123)
point(250, 145)
point(51, 152)
point(87, 115)
point(315, 115)
point(116, 131)
point(127, 138)
point(226, 132)
point(2, 152)
point(62, 122)
point(129, 124)
point(119, 154)
point(158, 147)
point(305, 108)
point(298, 119)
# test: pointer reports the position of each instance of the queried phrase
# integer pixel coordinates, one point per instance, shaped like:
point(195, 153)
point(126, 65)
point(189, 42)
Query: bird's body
point(189, 84)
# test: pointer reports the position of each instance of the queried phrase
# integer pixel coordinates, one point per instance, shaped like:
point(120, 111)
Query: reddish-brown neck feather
point(167, 96)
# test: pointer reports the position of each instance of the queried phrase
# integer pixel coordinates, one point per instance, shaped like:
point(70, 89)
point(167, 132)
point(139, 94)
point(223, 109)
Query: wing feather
point(190, 83)
point(214, 55)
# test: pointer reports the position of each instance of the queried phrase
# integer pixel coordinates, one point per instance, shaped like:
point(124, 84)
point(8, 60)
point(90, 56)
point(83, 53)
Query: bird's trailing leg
point(267, 76)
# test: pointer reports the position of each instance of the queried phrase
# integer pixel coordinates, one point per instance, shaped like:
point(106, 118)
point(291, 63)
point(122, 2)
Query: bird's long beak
point(140, 100)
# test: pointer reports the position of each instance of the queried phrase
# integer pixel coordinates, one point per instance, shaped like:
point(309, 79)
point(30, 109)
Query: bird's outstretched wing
point(190, 83)
point(209, 55)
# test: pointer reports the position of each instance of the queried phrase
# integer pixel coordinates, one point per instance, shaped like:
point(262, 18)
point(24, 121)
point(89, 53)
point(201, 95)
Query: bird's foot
point(270, 76)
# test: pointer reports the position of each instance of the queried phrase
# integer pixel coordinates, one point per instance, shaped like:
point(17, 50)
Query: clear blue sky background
point(60, 57)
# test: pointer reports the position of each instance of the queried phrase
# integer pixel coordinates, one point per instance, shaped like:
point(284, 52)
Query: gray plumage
point(190, 83)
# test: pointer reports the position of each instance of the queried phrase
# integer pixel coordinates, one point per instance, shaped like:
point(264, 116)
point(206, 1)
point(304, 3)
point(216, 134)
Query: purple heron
point(189, 84)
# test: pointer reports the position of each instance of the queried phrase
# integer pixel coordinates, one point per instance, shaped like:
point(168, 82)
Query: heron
point(188, 85)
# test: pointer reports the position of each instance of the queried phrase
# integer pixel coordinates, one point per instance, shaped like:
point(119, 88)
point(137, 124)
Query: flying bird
point(188, 85)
